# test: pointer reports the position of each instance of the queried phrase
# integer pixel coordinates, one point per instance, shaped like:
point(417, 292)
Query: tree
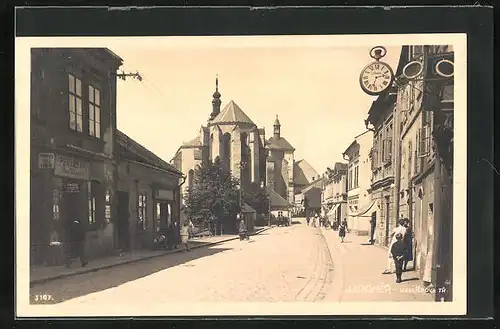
point(257, 198)
point(213, 192)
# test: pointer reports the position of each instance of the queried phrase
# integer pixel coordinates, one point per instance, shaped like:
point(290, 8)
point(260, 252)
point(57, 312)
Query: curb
point(90, 270)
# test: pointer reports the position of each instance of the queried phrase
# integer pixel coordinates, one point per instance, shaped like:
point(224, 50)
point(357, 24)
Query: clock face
point(376, 77)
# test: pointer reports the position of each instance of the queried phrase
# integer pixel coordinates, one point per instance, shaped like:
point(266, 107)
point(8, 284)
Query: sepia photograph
point(241, 175)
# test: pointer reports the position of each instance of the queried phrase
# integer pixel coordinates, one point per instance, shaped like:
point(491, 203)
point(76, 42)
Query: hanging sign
point(46, 160)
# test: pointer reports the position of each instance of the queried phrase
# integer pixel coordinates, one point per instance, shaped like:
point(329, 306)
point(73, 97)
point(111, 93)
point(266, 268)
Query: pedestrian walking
point(308, 220)
point(408, 241)
point(373, 226)
point(400, 229)
point(342, 230)
point(242, 230)
point(171, 236)
point(76, 243)
point(185, 235)
point(397, 251)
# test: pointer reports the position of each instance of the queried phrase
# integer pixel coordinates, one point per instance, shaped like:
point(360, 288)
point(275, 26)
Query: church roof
point(302, 170)
point(279, 144)
point(232, 113)
point(192, 143)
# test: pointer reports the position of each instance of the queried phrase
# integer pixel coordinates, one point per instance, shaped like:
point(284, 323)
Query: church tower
point(216, 102)
point(277, 128)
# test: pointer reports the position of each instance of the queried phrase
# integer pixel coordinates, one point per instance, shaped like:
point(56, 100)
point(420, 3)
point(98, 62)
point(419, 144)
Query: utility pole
point(123, 76)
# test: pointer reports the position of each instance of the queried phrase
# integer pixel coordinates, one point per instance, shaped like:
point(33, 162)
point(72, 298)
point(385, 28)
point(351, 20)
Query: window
point(107, 211)
point(158, 217)
point(409, 160)
point(141, 212)
point(356, 176)
point(375, 155)
point(423, 141)
point(75, 103)
point(350, 180)
point(94, 112)
point(91, 201)
point(387, 150)
point(55, 204)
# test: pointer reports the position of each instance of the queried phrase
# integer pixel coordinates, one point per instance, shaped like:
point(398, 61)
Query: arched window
point(226, 150)
point(190, 178)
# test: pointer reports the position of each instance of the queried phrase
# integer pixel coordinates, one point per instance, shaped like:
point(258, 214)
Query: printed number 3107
point(43, 298)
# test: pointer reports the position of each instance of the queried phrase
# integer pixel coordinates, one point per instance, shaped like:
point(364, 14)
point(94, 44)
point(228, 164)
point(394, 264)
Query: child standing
point(398, 249)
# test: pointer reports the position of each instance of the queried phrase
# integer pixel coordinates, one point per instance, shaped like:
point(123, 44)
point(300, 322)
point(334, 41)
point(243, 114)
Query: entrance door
point(123, 220)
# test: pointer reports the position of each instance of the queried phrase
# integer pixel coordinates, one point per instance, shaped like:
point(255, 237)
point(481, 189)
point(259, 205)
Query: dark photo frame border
point(477, 22)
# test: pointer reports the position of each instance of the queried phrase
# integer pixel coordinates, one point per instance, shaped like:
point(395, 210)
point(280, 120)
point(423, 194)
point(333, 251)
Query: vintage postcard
point(241, 175)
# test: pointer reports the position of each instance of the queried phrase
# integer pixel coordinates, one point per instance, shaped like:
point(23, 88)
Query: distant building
point(232, 136)
point(334, 196)
point(304, 174)
point(358, 183)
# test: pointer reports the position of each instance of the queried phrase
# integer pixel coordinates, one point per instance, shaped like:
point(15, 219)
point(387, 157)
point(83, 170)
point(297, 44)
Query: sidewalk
point(40, 274)
point(358, 268)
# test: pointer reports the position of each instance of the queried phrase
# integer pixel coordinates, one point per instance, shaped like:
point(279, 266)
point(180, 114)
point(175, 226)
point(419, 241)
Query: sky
point(311, 84)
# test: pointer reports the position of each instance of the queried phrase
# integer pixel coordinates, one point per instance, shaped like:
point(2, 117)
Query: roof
point(233, 114)
point(192, 143)
point(277, 200)
point(302, 170)
point(148, 157)
point(280, 144)
point(316, 184)
point(245, 208)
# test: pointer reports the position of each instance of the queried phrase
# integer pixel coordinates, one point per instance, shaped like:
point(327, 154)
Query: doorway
point(123, 220)
point(373, 226)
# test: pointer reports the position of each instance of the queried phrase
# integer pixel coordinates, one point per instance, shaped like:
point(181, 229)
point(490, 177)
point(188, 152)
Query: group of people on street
point(400, 249)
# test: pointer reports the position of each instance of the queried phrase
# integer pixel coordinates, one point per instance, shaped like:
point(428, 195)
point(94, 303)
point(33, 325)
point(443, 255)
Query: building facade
point(425, 104)
point(73, 125)
point(232, 136)
point(334, 196)
point(381, 116)
point(148, 195)
point(359, 201)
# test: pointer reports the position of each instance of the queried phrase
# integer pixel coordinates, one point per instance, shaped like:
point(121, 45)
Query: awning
point(333, 210)
point(364, 210)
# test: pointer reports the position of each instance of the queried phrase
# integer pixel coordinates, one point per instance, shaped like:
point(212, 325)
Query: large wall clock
point(376, 77)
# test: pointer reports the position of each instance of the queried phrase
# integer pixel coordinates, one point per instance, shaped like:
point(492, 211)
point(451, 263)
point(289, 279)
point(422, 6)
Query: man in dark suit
point(398, 249)
point(76, 241)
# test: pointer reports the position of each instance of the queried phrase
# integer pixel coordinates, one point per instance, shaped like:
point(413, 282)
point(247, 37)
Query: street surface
point(283, 264)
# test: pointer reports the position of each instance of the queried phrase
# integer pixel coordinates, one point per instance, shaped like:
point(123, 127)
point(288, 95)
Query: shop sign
point(46, 160)
point(71, 188)
point(71, 167)
point(164, 194)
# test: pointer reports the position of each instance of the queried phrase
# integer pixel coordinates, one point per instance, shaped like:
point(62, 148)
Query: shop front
point(74, 188)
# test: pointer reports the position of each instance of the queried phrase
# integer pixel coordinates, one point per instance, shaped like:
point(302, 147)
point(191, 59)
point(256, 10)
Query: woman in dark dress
point(408, 242)
point(342, 229)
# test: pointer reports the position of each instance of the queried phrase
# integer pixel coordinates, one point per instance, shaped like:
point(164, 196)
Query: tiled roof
point(232, 113)
point(130, 145)
point(276, 199)
point(280, 144)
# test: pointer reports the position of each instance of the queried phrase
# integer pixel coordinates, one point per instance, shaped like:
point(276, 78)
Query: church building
point(242, 146)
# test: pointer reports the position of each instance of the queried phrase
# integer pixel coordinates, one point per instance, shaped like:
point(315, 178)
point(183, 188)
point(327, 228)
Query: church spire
point(277, 128)
point(216, 102)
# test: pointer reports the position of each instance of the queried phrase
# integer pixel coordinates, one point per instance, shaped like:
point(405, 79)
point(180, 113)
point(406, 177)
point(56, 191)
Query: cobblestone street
point(282, 264)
